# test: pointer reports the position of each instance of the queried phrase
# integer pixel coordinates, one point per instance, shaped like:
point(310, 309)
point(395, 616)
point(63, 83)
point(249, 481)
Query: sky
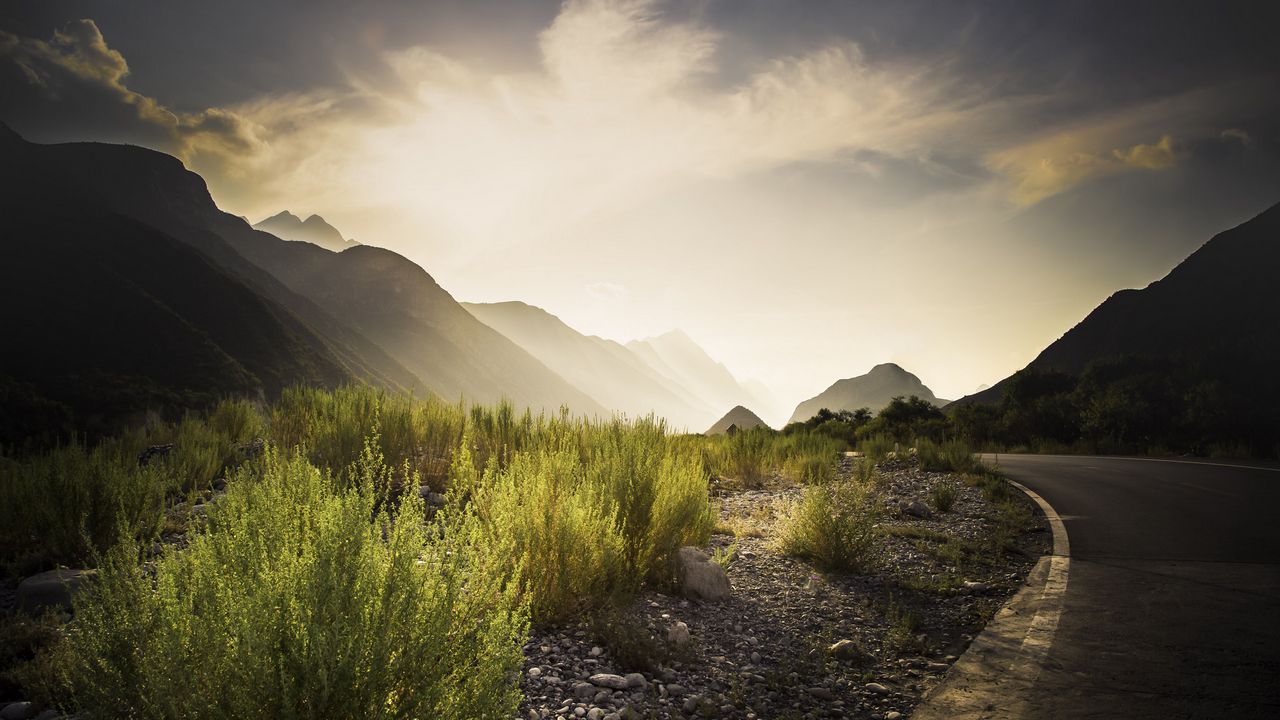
point(806, 188)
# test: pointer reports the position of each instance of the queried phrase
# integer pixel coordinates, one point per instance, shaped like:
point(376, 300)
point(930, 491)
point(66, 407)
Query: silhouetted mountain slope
point(110, 317)
point(873, 390)
point(604, 369)
point(381, 313)
point(287, 226)
point(739, 418)
point(390, 299)
point(157, 190)
point(1217, 312)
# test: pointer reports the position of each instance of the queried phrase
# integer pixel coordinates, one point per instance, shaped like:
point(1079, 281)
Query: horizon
point(634, 167)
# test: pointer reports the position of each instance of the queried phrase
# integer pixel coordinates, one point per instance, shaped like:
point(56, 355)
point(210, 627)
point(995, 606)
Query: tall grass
point(292, 603)
point(747, 458)
point(950, 456)
point(832, 525)
point(69, 503)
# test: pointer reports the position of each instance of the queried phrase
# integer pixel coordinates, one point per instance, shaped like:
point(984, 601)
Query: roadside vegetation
point(279, 552)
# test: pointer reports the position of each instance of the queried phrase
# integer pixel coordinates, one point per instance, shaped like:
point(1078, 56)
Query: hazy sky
point(806, 188)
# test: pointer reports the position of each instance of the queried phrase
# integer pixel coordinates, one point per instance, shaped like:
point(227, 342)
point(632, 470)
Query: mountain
point(106, 317)
point(1217, 315)
point(384, 317)
point(287, 226)
point(739, 418)
point(676, 356)
point(873, 390)
point(605, 370)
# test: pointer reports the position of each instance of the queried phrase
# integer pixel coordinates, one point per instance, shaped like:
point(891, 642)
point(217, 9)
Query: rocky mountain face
point(873, 390)
point(380, 317)
point(739, 418)
point(287, 226)
point(1217, 315)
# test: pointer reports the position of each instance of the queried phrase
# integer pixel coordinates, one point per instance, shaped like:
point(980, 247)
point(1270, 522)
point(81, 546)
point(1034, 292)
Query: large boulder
point(700, 578)
point(52, 590)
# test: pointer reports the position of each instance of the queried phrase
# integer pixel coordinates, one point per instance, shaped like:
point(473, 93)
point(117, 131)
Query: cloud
point(1240, 136)
point(607, 291)
point(76, 69)
point(1053, 165)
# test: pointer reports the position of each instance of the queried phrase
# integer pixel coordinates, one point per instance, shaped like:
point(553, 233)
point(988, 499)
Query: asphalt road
point(1172, 606)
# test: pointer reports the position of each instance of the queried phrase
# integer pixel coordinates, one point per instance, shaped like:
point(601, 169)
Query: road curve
point(1173, 604)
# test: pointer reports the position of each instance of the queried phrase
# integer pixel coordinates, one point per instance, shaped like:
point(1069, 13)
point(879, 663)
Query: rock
point(609, 680)
point(431, 497)
point(52, 589)
point(877, 688)
point(918, 509)
point(676, 690)
point(635, 680)
point(700, 578)
point(597, 651)
point(821, 693)
point(584, 690)
point(678, 634)
point(892, 715)
point(145, 457)
point(848, 650)
point(252, 449)
point(595, 714)
point(976, 587)
point(18, 711)
point(49, 715)
point(535, 672)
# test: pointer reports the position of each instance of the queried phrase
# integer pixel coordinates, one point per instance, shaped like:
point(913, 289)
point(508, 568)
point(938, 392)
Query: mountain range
point(133, 292)
point(260, 312)
point(287, 226)
point(873, 390)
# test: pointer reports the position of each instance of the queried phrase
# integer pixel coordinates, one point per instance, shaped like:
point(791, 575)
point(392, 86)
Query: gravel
point(770, 650)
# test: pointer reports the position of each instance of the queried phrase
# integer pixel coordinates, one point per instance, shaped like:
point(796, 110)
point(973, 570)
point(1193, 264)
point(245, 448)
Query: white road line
point(1039, 638)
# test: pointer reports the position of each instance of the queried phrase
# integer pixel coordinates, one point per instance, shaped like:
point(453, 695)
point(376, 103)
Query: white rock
point(678, 634)
point(609, 680)
point(700, 578)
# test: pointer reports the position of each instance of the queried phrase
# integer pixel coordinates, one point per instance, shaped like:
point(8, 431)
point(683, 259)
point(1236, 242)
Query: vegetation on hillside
point(1131, 404)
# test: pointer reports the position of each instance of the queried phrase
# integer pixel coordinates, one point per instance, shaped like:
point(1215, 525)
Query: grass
point(292, 602)
point(950, 456)
point(942, 496)
point(833, 526)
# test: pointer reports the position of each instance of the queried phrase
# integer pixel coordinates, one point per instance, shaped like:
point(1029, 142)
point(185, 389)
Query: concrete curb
point(994, 676)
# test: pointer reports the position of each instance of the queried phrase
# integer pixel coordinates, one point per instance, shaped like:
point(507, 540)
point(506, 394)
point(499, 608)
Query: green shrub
point(832, 525)
point(293, 603)
point(876, 448)
point(950, 456)
point(559, 531)
point(943, 495)
point(69, 503)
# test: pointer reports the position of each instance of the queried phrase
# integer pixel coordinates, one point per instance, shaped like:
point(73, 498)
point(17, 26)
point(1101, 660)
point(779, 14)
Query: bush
point(943, 495)
point(293, 603)
point(67, 504)
point(950, 456)
point(832, 525)
point(876, 448)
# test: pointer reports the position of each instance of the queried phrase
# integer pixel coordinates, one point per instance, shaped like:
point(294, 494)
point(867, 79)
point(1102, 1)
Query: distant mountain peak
point(873, 390)
point(314, 229)
point(739, 418)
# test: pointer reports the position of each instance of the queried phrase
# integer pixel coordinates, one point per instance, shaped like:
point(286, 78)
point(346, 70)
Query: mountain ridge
point(873, 390)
